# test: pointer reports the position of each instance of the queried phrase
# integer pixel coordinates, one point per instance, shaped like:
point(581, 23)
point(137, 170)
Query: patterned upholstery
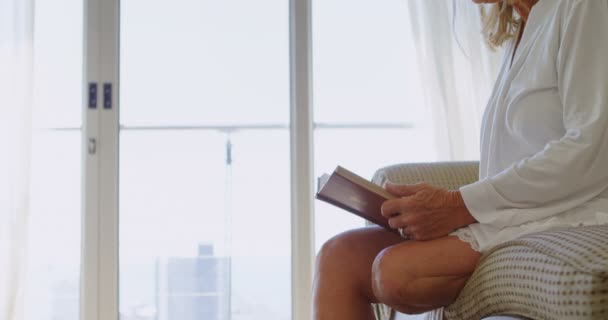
point(449, 175)
point(557, 274)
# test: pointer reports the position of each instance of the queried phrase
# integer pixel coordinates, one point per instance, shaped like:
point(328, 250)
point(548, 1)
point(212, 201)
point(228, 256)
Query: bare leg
point(423, 274)
point(410, 276)
point(342, 283)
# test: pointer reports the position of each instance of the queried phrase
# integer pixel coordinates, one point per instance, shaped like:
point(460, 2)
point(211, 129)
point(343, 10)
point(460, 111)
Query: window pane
point(212, 62)
point(194, 240)
point(364, 66)
point(362, 151)
point(54, 227)
point(261, 229)
point(172, 225)
point(58, 56)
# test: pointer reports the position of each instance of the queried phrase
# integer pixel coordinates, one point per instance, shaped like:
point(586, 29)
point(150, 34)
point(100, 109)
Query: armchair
point(558, 274)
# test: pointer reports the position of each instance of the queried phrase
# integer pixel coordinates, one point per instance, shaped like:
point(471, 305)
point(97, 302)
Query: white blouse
point(544, 137)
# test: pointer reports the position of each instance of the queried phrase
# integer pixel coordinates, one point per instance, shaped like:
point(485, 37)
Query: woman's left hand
point(425, 212)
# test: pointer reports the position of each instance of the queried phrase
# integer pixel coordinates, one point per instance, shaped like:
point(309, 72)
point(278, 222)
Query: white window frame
point(99, 270)
point(302, 207)
point(100, 267)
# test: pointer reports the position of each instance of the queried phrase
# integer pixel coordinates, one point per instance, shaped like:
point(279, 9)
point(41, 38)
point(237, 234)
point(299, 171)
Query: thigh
point(420, 273)
point(446, 256)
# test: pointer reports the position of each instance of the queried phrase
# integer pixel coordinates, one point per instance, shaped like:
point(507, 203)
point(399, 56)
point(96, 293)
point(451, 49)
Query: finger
point(396, 222)
point(404, 190)
point(426, 229)
point(394, 207)
point(417, 232)
point(390, 208)
point(404, 220)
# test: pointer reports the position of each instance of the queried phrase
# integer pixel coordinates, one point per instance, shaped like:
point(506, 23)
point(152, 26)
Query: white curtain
point(458, 72)
point(16, 61)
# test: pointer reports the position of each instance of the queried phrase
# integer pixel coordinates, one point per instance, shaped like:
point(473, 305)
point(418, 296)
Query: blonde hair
point(499, 24)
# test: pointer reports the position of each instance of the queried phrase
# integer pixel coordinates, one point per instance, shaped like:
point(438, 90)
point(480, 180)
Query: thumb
point(403, 190)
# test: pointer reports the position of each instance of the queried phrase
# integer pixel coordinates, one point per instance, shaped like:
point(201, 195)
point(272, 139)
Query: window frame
point(99, 288)
point(99, 269)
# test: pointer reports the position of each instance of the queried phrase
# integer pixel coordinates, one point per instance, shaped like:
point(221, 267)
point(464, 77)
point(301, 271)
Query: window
point(203, 149)
point(204, 160)
point(367, 96)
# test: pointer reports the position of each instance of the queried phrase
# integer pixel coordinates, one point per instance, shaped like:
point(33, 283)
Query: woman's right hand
point(425, 212)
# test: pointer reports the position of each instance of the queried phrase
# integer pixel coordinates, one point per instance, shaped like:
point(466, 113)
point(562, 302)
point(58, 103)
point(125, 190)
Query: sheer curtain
point(16, 59)
point(458, 72)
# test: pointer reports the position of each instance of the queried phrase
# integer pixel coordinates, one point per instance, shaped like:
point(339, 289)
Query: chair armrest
point(449, 175)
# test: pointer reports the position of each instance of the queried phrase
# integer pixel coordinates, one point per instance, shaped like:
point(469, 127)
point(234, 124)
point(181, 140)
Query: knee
point(335, 254)
point(390, 279)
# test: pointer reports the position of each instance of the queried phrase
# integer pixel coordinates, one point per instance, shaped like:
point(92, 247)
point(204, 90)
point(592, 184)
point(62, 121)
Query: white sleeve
point(574, 169)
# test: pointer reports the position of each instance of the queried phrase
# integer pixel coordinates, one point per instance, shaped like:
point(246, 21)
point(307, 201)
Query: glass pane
point(54, 227)
point(172, 225)
point(213, 62)
point(58, 56)
point(193, 243)
point(364, 66)
point(362, 151)
point(261, 229)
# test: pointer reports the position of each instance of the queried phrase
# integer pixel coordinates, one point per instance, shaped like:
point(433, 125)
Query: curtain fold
point(457, 71)
point(16, 76)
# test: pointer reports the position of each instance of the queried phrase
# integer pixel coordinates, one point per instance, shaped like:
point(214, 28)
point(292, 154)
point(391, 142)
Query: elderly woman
point(543, 165)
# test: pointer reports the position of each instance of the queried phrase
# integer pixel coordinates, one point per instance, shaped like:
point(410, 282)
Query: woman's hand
point(425, 212)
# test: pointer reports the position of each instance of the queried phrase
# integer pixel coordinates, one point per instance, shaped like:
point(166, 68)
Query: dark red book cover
point(355, 194)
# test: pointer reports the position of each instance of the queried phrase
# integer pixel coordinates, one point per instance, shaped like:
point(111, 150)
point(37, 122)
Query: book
point(349, 191)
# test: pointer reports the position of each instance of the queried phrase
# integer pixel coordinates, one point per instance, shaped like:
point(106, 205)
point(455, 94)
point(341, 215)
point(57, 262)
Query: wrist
point(464, 215)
